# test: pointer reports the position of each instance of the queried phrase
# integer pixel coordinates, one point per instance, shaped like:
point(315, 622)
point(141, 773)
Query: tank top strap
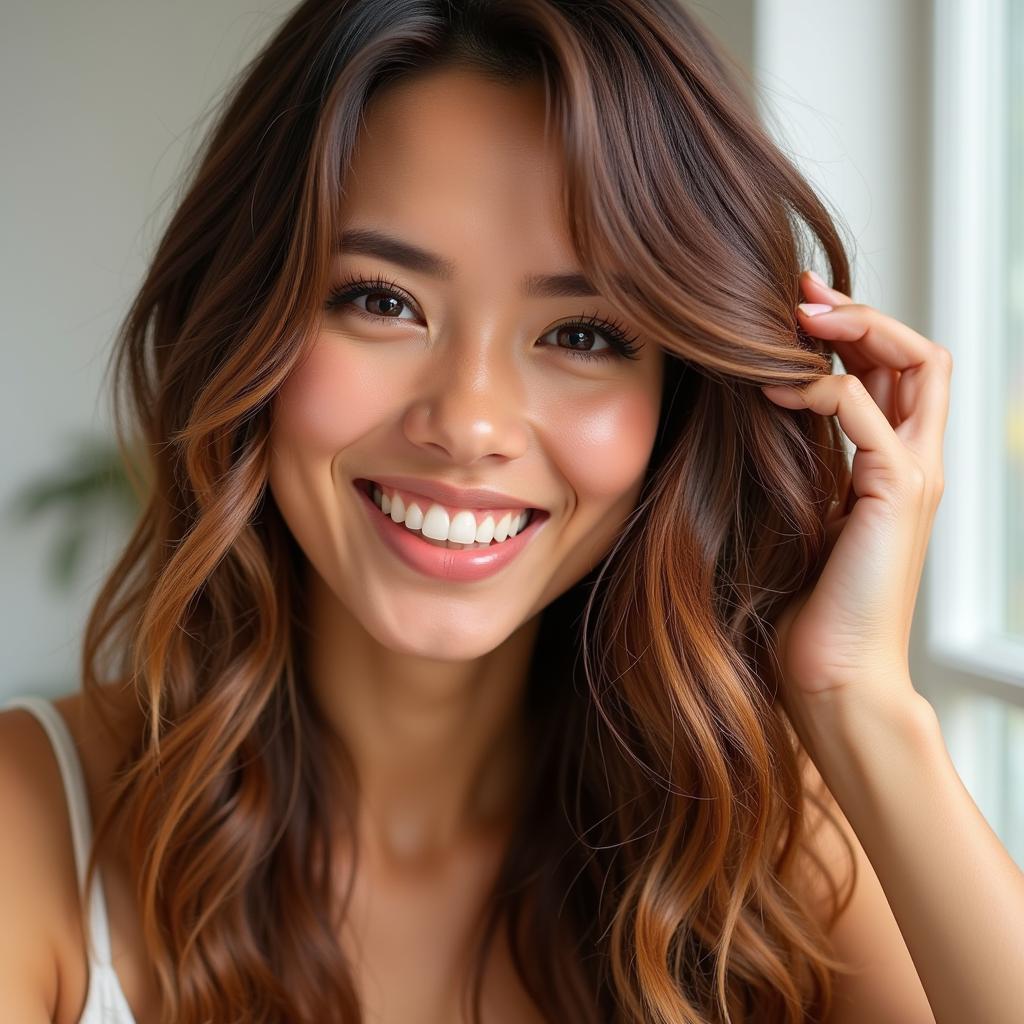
point(98, 931)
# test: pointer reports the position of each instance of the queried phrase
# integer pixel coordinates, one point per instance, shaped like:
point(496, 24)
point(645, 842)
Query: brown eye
point(383, 300)
point(383, 304)
point(579, 338)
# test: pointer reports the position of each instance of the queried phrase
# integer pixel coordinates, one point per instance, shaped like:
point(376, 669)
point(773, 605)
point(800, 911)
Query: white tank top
point(105, 1002)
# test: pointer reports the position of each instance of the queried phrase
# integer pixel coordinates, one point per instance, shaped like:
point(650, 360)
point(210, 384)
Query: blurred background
point(908, 116)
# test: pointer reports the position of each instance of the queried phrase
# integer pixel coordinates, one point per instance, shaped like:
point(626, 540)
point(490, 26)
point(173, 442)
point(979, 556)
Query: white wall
point(97, 105)
point(848, 84)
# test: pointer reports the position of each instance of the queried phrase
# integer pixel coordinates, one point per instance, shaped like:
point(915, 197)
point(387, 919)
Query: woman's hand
point(845, 641)
point(955, 893)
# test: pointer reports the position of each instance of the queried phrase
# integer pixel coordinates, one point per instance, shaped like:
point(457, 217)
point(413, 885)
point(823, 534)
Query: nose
point(470, 403)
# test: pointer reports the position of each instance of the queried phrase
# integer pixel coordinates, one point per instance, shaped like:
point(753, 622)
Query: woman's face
point(460, 378)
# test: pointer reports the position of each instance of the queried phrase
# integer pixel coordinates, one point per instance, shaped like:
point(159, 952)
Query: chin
point(450, 635)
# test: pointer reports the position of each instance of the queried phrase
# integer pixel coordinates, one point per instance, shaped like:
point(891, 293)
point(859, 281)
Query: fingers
point(878, 339)
point(856, 357)
point(882, 384)
point(818, 291)
point(844, 396)
point(893, 405)
point(923, 399)
point(905, 373)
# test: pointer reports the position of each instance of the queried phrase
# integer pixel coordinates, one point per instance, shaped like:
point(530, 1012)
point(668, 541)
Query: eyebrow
point(412, 257)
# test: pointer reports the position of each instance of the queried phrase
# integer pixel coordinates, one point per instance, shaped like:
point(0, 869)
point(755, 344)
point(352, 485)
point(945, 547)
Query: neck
point(438, 746)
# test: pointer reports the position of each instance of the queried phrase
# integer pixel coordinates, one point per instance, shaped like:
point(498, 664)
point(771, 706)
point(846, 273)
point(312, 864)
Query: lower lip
point(440, 563)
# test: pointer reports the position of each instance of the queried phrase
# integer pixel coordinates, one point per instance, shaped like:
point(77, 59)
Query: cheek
point(605, 445)
point(327, 402)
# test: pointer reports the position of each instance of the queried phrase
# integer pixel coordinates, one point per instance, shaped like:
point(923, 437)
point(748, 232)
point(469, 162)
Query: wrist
point(903, 716)
point(862, 744)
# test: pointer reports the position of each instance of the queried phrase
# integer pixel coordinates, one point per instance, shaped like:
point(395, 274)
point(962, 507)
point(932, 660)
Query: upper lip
point(457, 497)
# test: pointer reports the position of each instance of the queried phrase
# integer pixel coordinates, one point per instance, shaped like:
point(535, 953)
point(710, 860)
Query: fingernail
point(816, 277)
point(814, 308)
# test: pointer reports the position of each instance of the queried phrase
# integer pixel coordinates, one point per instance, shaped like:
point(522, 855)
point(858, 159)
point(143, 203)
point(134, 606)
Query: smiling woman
point(441, 658)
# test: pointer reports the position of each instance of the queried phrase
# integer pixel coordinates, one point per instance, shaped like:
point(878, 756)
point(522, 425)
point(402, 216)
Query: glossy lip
point(455, 497)
point(447, 564)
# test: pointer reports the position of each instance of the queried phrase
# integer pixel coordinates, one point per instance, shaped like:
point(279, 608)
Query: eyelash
point(621, 346)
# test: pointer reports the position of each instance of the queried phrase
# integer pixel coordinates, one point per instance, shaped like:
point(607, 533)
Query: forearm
point(954, 891)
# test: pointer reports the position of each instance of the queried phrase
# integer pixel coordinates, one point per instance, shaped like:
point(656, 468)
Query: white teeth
point(435, 523)
point(414, 516)
point(461, 529)
point(395, 508)
point(501, 530)
point(485, 531)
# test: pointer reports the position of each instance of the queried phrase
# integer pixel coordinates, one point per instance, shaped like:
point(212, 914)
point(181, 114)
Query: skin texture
point(473, 385)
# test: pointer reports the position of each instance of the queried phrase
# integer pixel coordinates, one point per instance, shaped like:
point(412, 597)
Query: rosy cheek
point(605, 445)
point(328, 401)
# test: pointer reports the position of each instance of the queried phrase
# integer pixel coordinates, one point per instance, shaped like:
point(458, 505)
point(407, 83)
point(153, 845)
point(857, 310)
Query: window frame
point(965, 640)
point(960, 650)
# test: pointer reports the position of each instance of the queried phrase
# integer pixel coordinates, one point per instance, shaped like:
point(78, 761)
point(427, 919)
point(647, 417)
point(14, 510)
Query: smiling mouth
point(367, 485)
point(532, 514)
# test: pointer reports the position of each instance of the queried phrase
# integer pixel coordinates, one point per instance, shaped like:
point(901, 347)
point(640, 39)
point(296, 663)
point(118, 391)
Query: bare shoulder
point(884, 986)
point(38, 887)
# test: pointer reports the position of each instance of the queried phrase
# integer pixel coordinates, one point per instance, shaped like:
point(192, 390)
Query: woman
point(485, 609)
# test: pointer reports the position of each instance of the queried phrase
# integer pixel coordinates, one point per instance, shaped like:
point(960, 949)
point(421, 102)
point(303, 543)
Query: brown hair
point(656, 870)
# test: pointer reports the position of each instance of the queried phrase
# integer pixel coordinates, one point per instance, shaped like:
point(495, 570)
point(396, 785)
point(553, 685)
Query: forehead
point(460, 165)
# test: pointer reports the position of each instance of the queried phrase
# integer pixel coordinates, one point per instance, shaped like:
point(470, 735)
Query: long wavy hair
point(657, 871)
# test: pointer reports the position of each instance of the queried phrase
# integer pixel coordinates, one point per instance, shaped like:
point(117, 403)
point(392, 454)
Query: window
point(974, 642)
point(1015, 353)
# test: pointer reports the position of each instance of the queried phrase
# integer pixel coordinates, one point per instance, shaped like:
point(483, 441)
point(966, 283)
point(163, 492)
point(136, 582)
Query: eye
point(385, 299)
point(579, 333)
